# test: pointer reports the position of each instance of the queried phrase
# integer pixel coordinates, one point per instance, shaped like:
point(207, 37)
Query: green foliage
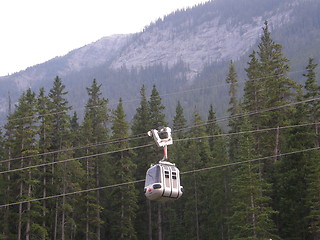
point(233, 91)
point(218, 194)
point(157, 117)
point(252, 214)
point(311, 136)
point(140, 126)
point(94, 130)
point(123, 211)
point(179, 125)
point(236, 188)
point(234, 109)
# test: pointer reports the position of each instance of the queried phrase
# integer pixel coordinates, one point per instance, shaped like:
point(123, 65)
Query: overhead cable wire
point(250, 160)
point(142, 180)
point(142, 135)
point(73, 159)
point(246, 132)
point(111, 141)
point(249, 113)
point(72, 193)
point(149, 145)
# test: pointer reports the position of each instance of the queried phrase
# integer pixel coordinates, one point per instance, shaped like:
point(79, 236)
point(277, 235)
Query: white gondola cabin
point(163, 179)
point(163, 182)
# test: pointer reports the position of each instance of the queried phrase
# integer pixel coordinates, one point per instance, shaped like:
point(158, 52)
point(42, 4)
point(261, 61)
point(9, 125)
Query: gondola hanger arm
point(162, 142)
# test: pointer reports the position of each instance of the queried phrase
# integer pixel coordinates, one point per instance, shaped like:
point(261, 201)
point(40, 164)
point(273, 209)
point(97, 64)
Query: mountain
point(186, 54)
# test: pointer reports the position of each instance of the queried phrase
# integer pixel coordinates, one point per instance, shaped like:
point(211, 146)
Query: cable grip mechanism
point(162, 142)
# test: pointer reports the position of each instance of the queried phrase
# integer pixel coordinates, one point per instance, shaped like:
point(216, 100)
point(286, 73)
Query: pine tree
point(252, 90)
point(178, 132)
point(157, 117)
point(233, 90)
point(65, 176)
point(95, 131)
point(9, 154)
point(141, 120)
point(313, 92)
point(8, 226)
point(311, 139)
point(234, 109)
point(292, 174)
point(176, 154)
point(157, 120)
point(251, 212)
point(301, 170)
point(23, 128)
point(179, 121)
point(217, 144)
point(123, 199)
point(277, 90)
point(140, 126)
point(194, 201)
point(76, 134)
point(312, 220)
point(45, 144)
point(253, 98)
point(290, 188)
point(3, 188)
point(218, 193)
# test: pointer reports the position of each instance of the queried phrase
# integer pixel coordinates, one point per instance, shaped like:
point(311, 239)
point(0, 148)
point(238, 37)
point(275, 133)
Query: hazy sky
point(34, 31)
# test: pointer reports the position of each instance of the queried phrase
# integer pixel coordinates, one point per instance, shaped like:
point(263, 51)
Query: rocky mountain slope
point(197, 43)
point(210, 34)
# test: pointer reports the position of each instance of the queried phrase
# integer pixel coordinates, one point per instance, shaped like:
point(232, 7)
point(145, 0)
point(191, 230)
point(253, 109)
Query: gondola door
point(176, 189)
point(167, 181)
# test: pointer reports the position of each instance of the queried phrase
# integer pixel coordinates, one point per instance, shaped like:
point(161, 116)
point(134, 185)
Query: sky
point(34, 31)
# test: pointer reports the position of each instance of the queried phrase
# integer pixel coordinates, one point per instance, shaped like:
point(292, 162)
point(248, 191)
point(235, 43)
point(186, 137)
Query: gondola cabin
point(163, 182)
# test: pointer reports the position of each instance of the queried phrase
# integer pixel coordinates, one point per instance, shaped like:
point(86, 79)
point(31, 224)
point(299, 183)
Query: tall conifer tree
point(3, 188)
point(179, 120)
point(179, 125)
point(45, 144)
point(157, 120)
point(218, 193)
point(140, 126)
point(253, 92)
point(277, 89)
point(123, 199)
point(311, 139)
point(63, 174)
point(157, 117)
point(198, 156)
point(94, 130)
point(9, 154)
point(23, 127)
point(312, 109)
point(234, 109)
point(177, 155)
point(252, 215)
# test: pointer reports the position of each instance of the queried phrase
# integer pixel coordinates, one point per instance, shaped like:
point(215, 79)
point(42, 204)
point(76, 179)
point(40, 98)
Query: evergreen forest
point(68, 178)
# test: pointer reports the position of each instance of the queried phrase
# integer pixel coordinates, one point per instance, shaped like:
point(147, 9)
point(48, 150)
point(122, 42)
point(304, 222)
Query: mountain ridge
point(185, 44)
point(163, 44)
point(206, 42)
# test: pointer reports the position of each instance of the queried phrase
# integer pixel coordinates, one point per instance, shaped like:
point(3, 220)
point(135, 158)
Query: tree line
point(62, 178)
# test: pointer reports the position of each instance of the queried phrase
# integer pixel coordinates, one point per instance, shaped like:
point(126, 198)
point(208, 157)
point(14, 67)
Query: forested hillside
point(186, 50)
point(66, 177)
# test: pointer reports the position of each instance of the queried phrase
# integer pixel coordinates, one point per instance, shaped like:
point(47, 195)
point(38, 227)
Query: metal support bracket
point(162, 142)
